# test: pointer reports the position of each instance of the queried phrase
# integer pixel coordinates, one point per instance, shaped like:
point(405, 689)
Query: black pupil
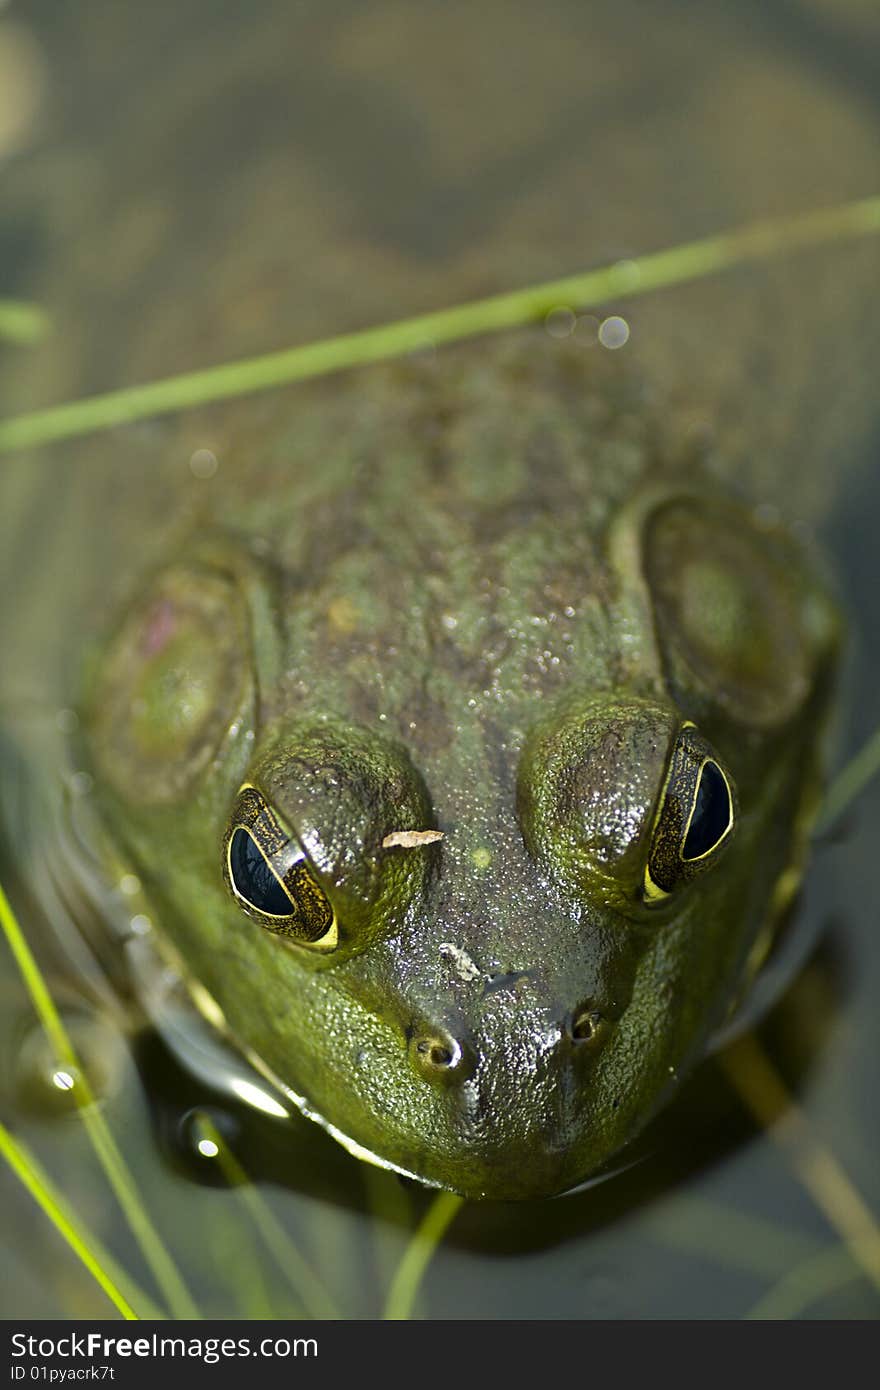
point(252, 878)
point(711, 813)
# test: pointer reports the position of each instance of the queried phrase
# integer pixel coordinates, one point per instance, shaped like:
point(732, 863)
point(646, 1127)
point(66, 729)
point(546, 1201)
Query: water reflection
point(421, 179)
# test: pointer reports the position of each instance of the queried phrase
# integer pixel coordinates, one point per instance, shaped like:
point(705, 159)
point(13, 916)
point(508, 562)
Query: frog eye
point(269, 876)
point(695, 819)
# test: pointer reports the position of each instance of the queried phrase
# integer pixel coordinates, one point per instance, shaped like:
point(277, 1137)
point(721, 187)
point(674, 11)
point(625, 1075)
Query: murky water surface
point(184, 184)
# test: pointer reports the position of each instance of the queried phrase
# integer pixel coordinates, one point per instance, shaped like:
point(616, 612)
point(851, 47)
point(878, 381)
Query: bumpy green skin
point(480, 594)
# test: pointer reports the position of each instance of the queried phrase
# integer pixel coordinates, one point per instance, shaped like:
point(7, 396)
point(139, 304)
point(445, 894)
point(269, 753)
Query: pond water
point(188, 184)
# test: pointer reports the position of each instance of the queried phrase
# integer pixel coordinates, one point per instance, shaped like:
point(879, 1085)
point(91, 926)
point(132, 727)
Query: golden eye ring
point(269, 876)
point(695, 820)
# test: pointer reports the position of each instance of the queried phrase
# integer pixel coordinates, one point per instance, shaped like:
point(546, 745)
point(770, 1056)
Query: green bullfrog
point(455, 723)
point(468, 757)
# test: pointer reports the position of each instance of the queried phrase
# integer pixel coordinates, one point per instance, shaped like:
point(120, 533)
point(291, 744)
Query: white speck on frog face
point(461, 962)
point(411, 839)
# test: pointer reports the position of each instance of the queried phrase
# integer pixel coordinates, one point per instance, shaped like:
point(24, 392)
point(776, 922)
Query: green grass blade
point(389, 1204)
point(315, 1300)
point(733, 1237)
point(22, 323)
point(823, 1273)
point(230, 1242)
point(157, 1257)
point(763, 1091)
point(660, 270)
point(849, 783)
point(425, 1240)
point(81, 1242)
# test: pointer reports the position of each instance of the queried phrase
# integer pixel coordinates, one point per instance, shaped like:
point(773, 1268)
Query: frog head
point(474, 875)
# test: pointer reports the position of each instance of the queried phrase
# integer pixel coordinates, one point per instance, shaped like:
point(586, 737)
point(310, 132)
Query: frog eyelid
point(256, 807)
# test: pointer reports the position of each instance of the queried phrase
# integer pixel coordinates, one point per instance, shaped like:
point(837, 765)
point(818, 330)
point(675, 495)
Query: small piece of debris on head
point(411, 839)
point(460, 961)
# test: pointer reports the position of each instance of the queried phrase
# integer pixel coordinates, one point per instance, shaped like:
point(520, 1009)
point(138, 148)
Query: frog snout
point(446, 1056)
point(499, 1096)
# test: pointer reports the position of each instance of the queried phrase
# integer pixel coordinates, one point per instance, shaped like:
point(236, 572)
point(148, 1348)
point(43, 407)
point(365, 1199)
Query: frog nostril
point(587, 1025)
point(434, 1054)
point(438, 1057)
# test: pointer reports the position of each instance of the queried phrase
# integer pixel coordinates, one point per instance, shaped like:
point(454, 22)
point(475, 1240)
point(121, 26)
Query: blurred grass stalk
point(23, 324)
point(157, 1257)
point(82, 1242)
point(314, 1299)
point(759, 1085)
point(677, 265)
point(425, 1240)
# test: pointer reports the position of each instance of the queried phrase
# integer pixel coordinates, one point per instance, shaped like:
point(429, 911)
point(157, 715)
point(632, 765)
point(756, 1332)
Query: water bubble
point(613, 332)
point(50, 1086)
point(560, 322)
point(197, 1135)
point(767, 514)
point(203, 464)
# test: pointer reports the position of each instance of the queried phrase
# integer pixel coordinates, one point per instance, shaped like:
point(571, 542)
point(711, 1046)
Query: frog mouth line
point(308, 1112)
point(207, 1008)
point(366, 1155)
point(200, 998)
